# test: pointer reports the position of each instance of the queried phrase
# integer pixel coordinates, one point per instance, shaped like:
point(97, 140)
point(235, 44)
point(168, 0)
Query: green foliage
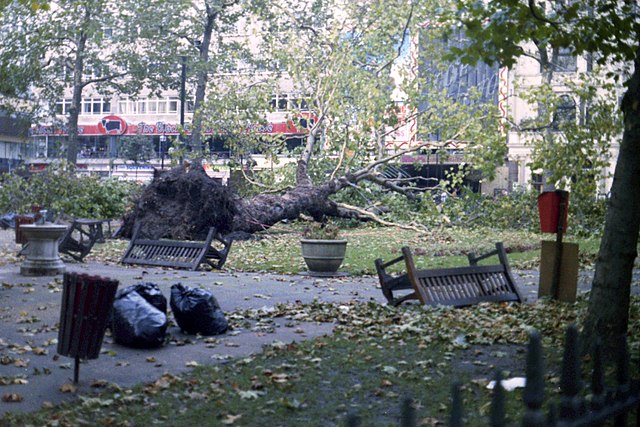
point(61, 190)
point(137, 148)
point(607, 28)
point(574, 150)
point(519, 211)
point(515, 211)
point(321, 231)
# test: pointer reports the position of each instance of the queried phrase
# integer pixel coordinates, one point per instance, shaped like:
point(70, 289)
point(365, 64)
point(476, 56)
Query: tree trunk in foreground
point(608, 312)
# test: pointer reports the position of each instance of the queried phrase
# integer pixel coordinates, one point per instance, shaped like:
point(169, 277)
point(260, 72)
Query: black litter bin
point(84, 314)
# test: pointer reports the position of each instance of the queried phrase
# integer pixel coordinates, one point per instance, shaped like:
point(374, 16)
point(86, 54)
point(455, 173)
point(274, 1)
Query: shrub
point(62, 190)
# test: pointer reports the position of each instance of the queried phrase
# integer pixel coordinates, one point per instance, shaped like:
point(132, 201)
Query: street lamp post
point(163, 141)
point(183, 80)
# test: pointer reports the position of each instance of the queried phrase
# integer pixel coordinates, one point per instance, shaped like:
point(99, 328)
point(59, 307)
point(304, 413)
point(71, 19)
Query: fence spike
point(456, 406)
point(597, 377)
point(352, 420)
point(623, 389)
point(407, 413)
point(497, 414)
point(570, 383)
point(533, 394)
point(622, 373)
point(552, 417)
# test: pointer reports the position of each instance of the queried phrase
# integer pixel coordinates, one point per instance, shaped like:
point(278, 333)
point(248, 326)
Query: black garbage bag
point(149, 291)
point(152, 293)
point(197, 311)
point(137, 323)
point(8, 220)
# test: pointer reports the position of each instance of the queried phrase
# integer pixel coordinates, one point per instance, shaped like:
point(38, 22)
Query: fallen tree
point(183, 203)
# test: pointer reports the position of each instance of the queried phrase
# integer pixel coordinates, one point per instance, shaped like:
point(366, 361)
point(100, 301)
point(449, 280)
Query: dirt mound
point(181, 205)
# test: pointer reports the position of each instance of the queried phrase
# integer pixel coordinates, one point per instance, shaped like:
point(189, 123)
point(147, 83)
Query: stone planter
point(323, 256)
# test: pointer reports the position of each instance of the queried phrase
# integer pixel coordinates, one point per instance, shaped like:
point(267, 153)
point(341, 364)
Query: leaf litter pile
point(376, 356)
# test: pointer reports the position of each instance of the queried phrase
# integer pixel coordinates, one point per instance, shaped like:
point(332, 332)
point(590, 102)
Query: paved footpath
point(30, 311)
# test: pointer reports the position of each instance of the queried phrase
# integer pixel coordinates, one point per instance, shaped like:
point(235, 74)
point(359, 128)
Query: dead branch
point(381, 221)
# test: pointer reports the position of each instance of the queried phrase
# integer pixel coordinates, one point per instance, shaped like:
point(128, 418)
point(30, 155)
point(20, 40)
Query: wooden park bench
point(458, 287)
point(80, 237)
point(177, 253)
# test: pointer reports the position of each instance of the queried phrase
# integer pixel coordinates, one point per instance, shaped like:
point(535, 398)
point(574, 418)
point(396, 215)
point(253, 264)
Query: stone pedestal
point(43, 258)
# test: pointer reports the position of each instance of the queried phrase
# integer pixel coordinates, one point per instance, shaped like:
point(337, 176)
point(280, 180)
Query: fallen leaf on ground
point(68, 388)
point(99, 383)
point(230, 419)
point(12, 397)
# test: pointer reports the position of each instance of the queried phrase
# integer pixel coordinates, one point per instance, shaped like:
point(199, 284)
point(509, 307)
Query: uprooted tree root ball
point(181, 205)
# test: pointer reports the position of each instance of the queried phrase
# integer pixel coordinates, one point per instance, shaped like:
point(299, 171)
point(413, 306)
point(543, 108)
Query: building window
point(566, 60)
point(537, 182)
point(123, 107)
point(63, 107)
point(288, 102)
point(297, 103)
point(565, 112)
point(142, 106)
point(95, 106)
point(173, 105)
point(64, 70)
point(279, 102)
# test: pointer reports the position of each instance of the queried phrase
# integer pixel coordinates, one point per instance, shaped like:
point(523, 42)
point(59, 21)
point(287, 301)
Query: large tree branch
point(379, 220)
point(103, 79)
point(390, 184)
point(536, 14)
point(405, 31)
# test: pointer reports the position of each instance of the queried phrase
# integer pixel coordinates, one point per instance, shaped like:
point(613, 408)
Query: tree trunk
point(201, 84)
point(76, 100)
point(262, 211)
point(608, 312)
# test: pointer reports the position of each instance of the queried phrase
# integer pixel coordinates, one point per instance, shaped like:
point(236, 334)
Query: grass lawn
point(278, 250)
point(377, 356)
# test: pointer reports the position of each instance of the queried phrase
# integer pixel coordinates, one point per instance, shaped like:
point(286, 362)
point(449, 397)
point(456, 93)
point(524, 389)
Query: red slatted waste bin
point(84, 313)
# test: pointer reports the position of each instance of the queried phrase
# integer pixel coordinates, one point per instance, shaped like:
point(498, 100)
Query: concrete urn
point(323, 256)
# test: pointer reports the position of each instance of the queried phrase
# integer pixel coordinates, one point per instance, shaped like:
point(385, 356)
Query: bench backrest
point(463, 285)
point(175, 253)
